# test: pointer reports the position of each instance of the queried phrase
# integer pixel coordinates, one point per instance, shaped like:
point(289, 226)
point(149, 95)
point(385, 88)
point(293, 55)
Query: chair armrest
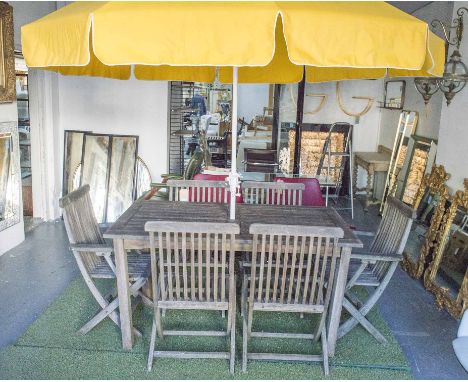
point(103, 227)
point(97, 248)
point(159, 185)
point(373, 256)
point(172, 176)
point(363, 233)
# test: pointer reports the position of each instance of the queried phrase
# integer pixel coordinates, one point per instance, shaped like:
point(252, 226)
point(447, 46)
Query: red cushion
point(312, 195)
point(220, 177)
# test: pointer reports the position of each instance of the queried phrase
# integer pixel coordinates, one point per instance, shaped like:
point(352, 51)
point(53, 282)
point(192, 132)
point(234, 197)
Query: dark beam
point(299, 120)
point(275, 123)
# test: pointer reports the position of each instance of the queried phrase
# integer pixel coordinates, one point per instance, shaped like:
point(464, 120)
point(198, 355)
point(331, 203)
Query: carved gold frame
point(7, 55)
point(435, 181)
point(443, 299)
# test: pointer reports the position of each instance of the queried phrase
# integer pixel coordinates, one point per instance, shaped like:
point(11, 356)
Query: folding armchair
point(272, 193)
point(194, 269)
point(292, 270)
point(199, 191)
point(376, 267)
point(94, 256)
point(193, 167)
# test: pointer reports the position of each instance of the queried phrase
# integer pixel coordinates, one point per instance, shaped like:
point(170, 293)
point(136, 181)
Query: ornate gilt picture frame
point(455, 305)
point(434, 183)
point(7, 55)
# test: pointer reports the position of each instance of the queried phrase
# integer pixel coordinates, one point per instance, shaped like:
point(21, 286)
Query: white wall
point(453, 134)
point(13, 235)
point(252, 99)
point(119, 107)
point(429, 115)
point(366, 132)
point(23, 12)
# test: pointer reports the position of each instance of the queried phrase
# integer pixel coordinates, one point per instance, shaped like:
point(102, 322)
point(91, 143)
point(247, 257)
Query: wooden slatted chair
point(290, 271)
point(198, 191)
point(376, 267)
point(273, 193)
point(94, 256)
point(194, 269)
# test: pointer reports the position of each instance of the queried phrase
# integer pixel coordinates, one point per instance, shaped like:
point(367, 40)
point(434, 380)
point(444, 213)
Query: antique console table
point(371, 162)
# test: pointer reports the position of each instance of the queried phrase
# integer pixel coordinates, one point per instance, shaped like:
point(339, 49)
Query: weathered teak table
point(128, 233)
point(371, 162)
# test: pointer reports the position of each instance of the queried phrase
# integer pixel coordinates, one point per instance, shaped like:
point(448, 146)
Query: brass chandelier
point(455, 74)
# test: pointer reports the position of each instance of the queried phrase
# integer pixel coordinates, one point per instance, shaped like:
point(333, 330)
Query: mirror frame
point(443, 299)
point(403, 91)
point(401, 133)
point(7, 54)
point(435, 182)
point(15, 173)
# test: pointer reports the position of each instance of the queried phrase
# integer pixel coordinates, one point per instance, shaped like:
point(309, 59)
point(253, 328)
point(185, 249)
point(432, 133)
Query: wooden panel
point(131, 224)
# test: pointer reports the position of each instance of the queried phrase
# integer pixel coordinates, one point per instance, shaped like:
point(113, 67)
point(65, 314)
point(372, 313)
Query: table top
point(373, 157)
point(131, 224)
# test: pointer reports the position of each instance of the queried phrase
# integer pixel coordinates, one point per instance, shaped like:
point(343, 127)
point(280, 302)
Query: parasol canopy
point(270, 42)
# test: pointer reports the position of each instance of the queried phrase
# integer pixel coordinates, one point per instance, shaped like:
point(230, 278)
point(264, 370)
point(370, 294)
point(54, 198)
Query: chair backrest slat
point(272, 193)
point(200, 251)
point(293, 264)
point(81, 224)
point(199, 191)
point(393, 232)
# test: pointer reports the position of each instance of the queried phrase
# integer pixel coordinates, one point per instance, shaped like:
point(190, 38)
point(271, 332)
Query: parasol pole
point(233, 176)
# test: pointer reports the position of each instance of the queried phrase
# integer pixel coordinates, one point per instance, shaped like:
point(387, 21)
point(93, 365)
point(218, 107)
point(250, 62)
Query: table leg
point(370, 186)
point(337, 302)
point(355, 176)
point(125, 305)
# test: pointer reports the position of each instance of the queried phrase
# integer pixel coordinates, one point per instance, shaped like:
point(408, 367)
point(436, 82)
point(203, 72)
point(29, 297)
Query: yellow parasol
point(268, 42)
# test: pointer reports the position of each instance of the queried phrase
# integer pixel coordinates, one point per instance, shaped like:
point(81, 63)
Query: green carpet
point(52, 349)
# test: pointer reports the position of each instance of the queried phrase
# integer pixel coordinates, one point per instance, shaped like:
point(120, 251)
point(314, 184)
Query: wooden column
point(299, 119)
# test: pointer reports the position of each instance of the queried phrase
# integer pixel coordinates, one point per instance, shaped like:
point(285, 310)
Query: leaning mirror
point(95, 162)
point(394, 94)
point(143, 178)
point(9, 175)
point(430, 204)
point(72, 151)
point(121, 175)
point(447, 274)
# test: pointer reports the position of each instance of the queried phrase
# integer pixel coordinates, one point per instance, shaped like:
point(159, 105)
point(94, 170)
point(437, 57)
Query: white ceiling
point(409, 6)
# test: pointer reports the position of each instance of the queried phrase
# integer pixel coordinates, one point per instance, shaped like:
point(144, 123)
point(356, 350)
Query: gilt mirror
point(7, 55)
point(430, 205)
point(420, 157)
point(9, 175)
point(447, 274)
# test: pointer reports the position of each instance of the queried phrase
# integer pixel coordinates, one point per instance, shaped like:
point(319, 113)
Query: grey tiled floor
point(37, 271)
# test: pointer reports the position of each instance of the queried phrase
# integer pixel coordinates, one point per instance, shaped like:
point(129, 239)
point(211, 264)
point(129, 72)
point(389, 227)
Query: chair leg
point(109, 309)
point(233, 336)
point(353, 298)
point(244, 342)
point(151, 347)
point(358, 317)
point(326, 367)
point(99, 317)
